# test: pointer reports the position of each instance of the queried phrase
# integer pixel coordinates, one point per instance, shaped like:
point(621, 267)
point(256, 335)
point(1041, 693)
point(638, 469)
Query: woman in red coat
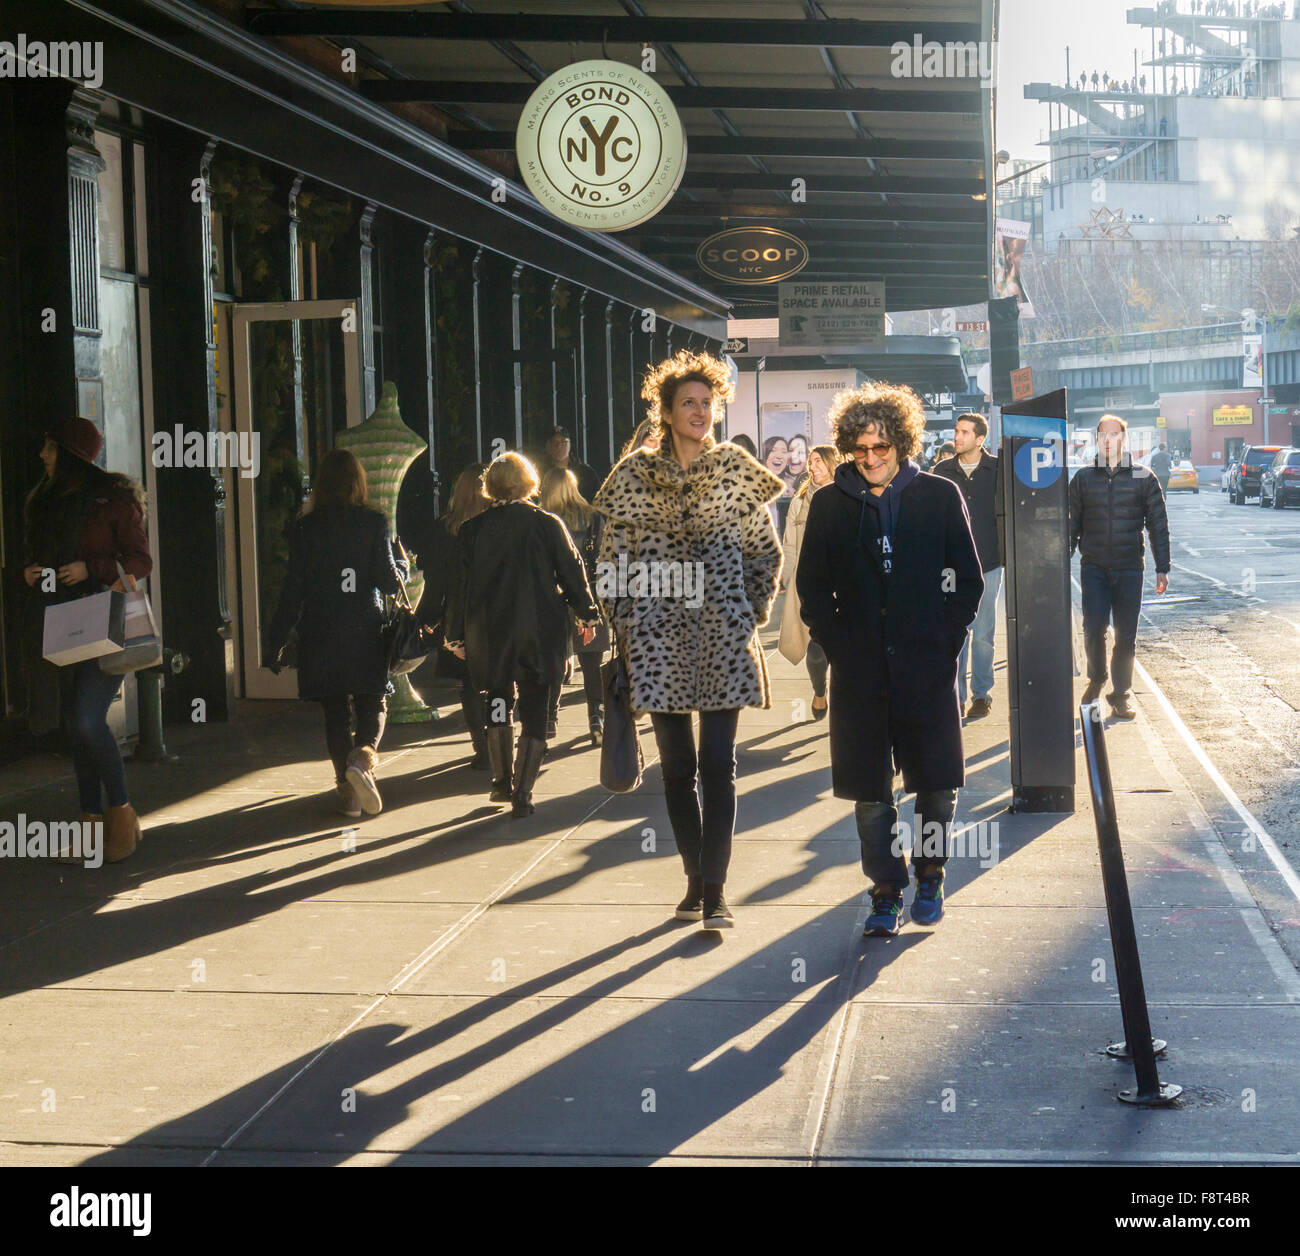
point(80, 525)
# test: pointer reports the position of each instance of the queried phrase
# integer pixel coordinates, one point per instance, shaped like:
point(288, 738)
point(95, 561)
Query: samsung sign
point(752, 255)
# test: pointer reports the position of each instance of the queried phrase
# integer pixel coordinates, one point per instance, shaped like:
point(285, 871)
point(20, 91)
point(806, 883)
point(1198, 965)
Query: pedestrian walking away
point(1161, 464)
point(889, 580)
point(794, 642)
point(698, 509)
point(561, 497)
point(1110, 505)
point(975, 473)
point(341, 566)
point(442, 568)
point(80, 524)
point(508, 618)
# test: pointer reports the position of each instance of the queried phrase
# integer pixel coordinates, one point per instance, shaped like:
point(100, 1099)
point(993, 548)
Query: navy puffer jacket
point(1108, 511)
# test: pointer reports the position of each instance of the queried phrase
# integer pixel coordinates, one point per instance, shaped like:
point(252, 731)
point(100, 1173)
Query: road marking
point(1267, 844)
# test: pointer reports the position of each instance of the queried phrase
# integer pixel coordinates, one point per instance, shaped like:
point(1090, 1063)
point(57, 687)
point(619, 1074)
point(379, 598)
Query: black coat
point(892, 641)
point(521, 576)
point(980, 492)
point(340, 566)
point(1109, 509)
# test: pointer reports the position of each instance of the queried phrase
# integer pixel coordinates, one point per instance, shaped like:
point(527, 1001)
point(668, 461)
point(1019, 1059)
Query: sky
point(1031, 48)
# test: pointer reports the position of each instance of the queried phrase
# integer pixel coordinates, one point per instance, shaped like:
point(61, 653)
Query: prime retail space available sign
point(848, 313)
point(600, 145)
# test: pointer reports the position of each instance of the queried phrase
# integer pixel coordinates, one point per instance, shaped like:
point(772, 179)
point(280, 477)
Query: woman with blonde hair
point(693, 508)
point(795, 643)
point(341, 566)
point(441, 571)
point(646, 436)
point(561, 497)
point(508, 618)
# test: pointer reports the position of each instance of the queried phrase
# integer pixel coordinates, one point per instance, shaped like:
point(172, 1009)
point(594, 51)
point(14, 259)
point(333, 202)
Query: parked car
point(1183, 478)
point(1254, 458)
point(1225, 480)
point(1279, 485)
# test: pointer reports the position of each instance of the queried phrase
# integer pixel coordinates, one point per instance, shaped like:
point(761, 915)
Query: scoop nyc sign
point(600, 145)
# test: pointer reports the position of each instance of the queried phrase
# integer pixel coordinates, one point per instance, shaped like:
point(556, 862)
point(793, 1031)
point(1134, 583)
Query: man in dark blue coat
point(888, 581)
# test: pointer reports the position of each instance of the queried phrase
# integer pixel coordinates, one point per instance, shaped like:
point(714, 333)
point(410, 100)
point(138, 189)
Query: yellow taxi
point(1183, 477)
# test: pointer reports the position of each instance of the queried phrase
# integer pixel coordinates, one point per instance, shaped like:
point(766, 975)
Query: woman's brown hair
point(830, 460)
point(561, 496)
point(467, 497)
point(894, 411)
point(684, 367)
point(340, 481)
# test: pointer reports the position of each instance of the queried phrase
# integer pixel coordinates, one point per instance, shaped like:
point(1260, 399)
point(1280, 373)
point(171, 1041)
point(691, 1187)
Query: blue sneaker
point(886, 917)
point(927, 906)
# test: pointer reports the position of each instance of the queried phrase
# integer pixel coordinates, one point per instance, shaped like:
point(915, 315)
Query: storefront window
point(112, 219)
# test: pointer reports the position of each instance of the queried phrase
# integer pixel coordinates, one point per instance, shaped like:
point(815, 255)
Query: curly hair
point(661, 383)
point(892, 409)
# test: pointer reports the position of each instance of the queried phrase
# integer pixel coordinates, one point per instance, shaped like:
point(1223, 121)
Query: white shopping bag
point(86, 628)
point(142, 646)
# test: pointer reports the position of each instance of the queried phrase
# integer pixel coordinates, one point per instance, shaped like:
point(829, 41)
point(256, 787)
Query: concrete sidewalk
point(448, 985)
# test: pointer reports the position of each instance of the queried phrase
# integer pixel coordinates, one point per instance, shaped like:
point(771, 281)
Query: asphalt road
point(1224, 646)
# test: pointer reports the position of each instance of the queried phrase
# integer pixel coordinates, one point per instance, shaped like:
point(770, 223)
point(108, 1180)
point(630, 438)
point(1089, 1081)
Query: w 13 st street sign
point(601, 146)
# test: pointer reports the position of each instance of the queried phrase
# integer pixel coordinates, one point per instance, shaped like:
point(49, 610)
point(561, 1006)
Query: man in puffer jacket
point(1110, 504)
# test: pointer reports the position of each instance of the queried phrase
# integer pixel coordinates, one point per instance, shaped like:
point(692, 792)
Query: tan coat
point(692, 647)
point(793, 642)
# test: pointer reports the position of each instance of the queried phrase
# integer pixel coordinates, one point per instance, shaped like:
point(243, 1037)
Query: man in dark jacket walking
point(1110, 504)
point(975, 474)
point(888, 580)
point(1160, 464)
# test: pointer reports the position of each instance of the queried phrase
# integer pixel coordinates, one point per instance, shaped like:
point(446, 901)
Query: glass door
point(296, 382)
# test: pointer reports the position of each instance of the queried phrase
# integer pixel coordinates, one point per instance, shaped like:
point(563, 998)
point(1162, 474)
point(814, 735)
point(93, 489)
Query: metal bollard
point(1138, 1044)
point(151, 748)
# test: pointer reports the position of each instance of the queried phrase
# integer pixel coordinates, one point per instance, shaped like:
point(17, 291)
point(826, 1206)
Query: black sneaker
point(886, 917)
point(717, 915)
point(692, 906)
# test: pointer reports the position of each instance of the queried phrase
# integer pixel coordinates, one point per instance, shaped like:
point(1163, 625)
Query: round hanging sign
point(600, 145)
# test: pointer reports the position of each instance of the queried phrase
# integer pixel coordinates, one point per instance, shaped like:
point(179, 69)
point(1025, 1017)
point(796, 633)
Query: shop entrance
point(295, 382)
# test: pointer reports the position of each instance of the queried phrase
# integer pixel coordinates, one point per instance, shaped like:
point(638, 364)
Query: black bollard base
point(1160, 1098)
point(154, 754)
point(1120, 1051)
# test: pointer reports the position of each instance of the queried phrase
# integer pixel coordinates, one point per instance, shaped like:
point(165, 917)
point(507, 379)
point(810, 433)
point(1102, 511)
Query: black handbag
point(407, 641)
point(621, 761)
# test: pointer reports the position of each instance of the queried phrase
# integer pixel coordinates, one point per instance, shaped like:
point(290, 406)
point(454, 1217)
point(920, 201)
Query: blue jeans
point(1106, 595)
point(95, 756)
point(981, 631)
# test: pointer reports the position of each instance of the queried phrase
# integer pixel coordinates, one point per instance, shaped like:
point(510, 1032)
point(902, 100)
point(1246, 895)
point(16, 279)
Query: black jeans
point(371, 710)
point(817, 665)
point(95, 757)
point(591, 690)
point(1108, 594)
point(703, 834)
point(533, 700)
point(884, 859)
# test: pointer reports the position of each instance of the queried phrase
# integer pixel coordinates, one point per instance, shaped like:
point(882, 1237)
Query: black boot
point(596, 722)
point(717, 915)
point(526, 768)
point(692, 906)
point(478, 739)
point(500, 748)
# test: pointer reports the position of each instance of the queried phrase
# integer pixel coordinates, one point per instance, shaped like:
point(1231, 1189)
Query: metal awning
point(927, 364)
point(896, 169)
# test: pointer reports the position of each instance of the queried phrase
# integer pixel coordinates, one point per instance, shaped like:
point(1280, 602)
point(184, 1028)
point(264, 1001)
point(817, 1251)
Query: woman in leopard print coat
point(687, 574)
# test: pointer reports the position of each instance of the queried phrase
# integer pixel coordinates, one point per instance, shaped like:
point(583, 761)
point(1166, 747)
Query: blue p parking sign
point(1038, 463)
